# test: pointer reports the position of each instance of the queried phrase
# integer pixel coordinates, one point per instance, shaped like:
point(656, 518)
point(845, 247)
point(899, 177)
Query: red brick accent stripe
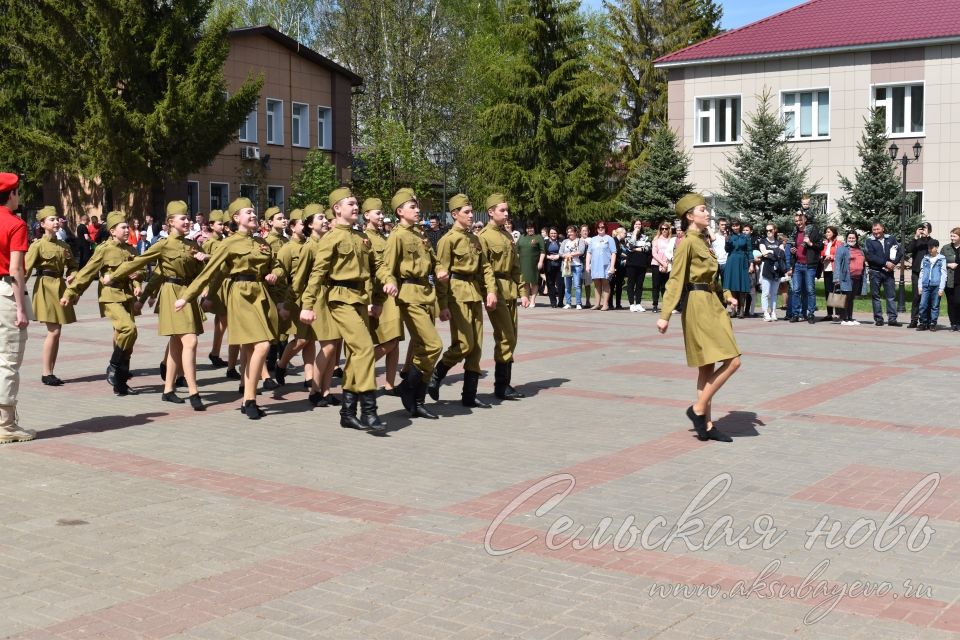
point(653, 369)
point(930, 357)
point(820, 393)
point(229, 484)
point(879, 425)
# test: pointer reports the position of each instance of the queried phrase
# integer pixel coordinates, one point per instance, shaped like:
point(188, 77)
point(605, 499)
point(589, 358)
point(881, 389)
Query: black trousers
point(847, 312)
point(659, 284)
point(952, 296)
point(554, 282)
point(635, 279)
point(616, 287)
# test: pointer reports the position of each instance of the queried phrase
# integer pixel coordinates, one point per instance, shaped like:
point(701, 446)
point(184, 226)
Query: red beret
point(8, 182)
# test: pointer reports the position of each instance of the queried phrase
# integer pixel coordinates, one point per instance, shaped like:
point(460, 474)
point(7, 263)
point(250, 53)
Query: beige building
point(826, 69)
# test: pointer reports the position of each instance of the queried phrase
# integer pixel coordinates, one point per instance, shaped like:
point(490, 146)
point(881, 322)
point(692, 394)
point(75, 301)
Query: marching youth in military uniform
point(249, 266)
point(117, 299)
point(501, 254)
point(50, 257)
point(276, 239)
point(707, 329)
point(386, 329)
point(305, 342)
point(408, 264)
point(463, 274)
point(178, 261)
point(344, 262)
point(214, 300)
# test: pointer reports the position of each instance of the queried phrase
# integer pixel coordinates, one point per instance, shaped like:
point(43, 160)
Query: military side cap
point(296, 214)
point(328, 214)
point(312, 209)
point(177, 208)
point(339, 194)
point(494, 199)
point(114, 218)
point(46, 212)
point(401, 197)
point(372, 204)
point(458, 202)
point(216, 216)
point(269, 213)
point(236, 205)
point(8, 182)
point(688, 202)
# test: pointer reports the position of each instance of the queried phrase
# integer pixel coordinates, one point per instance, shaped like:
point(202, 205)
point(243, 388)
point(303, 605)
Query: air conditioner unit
point(248, 152)
point(256, 152)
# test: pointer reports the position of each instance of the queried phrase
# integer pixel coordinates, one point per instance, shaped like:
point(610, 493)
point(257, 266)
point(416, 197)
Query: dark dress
point(736, 275)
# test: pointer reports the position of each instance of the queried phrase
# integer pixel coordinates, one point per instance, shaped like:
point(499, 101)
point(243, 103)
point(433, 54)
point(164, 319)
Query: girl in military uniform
point(248, 264)
point(707, 329)
point(117, 299)
point(387, 328)
point(305, 342)
point(50, 257)
point(214, 300)
point(178, 261)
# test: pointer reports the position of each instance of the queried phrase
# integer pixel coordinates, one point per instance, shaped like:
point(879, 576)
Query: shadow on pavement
point(740, 424)
point(100, 425)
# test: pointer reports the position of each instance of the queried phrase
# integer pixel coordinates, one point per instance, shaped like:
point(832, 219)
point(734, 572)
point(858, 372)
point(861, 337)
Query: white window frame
point(887, 104)
point(304, 124)
point(277, 118)
point(711, 113)
point(197, 201)
point(325, 132)
point(245, 129)
point(283, 200)
point(826, 195)
point(815, 106)
point(226, 198)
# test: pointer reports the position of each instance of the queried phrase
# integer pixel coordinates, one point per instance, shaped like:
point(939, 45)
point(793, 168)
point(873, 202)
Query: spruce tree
point(765, 179)
point(544, 139)
point(654, 186)
point(314, 181)
point(876, 192)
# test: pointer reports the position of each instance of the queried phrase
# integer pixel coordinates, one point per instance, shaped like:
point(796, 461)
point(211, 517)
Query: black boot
point(348, 411)
point(163, 370)
point(115, 359)
point(272, 357)
point(196, 403)
point(421, 410)
point(251, 410)
point(368, 412)
point(122, 374)
point(439, 373)
point(503, 372)
point(280, 374)
point(469, 396)
point(408, 389)
point(217, 361)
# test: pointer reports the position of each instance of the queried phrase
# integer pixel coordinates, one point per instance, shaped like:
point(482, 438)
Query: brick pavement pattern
point(586, 510)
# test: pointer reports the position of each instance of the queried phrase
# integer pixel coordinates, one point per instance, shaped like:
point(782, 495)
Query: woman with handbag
point(773, 265)
point(831, 242)
point(848, 277)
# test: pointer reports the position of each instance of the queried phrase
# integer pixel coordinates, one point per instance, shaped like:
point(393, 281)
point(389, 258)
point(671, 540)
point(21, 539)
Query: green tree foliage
point(544, 138)
point(876, 192)
point(124, 91)
point(390, 159)
point(765, 178)
point(314, 181)
point(642, 31)
point(654, 186)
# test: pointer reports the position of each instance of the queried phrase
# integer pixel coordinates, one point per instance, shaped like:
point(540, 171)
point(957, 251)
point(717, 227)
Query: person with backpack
point(773, 266)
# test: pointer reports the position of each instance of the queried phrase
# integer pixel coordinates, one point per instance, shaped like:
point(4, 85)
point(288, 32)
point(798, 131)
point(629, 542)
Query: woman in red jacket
point(831, 242)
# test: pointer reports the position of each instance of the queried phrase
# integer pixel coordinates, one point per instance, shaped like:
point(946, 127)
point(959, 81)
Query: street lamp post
point(904, 209)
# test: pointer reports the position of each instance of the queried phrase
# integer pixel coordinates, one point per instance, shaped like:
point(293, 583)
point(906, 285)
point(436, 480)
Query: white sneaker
point(773, 316)
point(853, 323)
point(579, 306)
point(766, 316)
point(641, 309)
point(674, 311)
point(633, 308)
point(566, 306)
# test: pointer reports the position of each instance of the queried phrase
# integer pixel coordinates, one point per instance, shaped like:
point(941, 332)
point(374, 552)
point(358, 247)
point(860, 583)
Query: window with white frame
point(902, 106)
point(275, 196)
point(806, 114)
point(324, 128)
point(219, 196)
point(718, 120)
point(300, 125)
point(274, 121)
point(248, 130)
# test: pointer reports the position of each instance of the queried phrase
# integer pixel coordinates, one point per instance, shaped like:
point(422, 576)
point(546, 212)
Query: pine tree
point(314, 181)
point(544, 140)
point(876, 193)
point(765, 179)
point(654, 187)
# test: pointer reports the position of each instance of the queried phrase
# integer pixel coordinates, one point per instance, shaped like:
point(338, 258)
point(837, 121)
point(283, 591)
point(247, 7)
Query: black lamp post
point(904, 209)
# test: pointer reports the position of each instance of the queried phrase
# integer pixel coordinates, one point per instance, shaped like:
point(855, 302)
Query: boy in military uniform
point(501, 253)
point(117, 299)
point(460, 256)
point(345, 263)
point(387, 328)
point(408, 263)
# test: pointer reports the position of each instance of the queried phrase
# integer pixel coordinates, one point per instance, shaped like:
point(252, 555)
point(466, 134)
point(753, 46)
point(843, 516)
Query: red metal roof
point(830, 24)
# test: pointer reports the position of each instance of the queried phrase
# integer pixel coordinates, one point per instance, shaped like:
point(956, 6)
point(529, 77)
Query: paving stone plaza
point(586, 510)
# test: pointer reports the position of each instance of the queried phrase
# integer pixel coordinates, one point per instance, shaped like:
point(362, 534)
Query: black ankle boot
point(122, 374)
point(171, 396)
point(348, 411)
point(217, 361)
point(251, 410)
point(409, 388)
point(280, 375)
point(115, 359)
point(368, 412)
point(196, 403)
point(422, 411)
point(469, 396)
point(511, 393)
point(436, 378)
point(699, 423)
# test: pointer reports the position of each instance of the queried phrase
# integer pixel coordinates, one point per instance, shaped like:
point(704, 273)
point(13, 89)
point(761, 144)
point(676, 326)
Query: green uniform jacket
point(51, 255)
point(501, 254)
point(215, 290)
point(276, 241)
point(707, 330)
point(460, 252)
point(343, 255)
point(107, 257)
point(408, 263)
point(323, 327)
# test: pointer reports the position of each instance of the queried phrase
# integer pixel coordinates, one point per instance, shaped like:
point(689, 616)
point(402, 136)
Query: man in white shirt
point(718, 242)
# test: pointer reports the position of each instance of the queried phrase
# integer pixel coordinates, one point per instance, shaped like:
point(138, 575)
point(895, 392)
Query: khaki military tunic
point(388, 326)
point(50, 257)
point(176, 267)
point(408, 262)
point(323, 327)
point(244, 261)
point(116, 299)
point(707, 329)
point(460, 254)
point(276, 241)
point(501, 253)
point(289, 258)
point(215, 294)
point(344, 263)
